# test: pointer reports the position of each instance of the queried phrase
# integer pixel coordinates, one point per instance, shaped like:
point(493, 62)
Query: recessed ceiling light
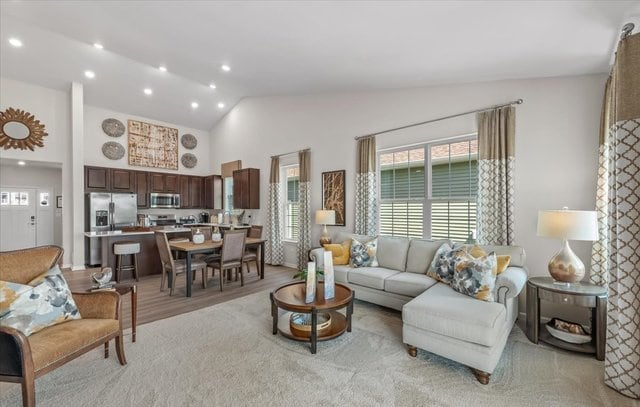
point(22, 162)
point(15, 42)
point(98, 45)
point(225, 68)
point(148, 91)
point(212, 85)
point(89, 74)
point(162, 68)
point(194, 105)
point(220, 105)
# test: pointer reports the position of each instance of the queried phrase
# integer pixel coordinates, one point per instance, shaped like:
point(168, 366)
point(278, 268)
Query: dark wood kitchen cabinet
point(185, 187)
point(164, 182)
point(191, 191)
point(96, 179)
point(142, 188)
point(123, 180)
point(213, 192)
point(195, 192)
point(246, 188)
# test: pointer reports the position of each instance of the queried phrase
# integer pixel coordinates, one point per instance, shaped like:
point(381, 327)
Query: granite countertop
point(165, 229)
point(109, 233)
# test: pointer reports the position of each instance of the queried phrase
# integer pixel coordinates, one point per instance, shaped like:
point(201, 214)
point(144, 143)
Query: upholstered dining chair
point(230, 255)
point(251, 254)
point(176, 266)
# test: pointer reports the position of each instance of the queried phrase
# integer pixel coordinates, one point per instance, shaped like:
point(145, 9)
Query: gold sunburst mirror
point(20, 129)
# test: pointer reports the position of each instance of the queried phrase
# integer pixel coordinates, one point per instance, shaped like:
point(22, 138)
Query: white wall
point(52, 108)
point(95, 138)
point(556, 141)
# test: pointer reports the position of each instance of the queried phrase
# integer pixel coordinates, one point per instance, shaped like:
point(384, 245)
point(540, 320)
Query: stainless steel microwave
point(157, 200)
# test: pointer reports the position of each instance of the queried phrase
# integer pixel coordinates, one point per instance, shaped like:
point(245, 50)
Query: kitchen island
point(148, 258)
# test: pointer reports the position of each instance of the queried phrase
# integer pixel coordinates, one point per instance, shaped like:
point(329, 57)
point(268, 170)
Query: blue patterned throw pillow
point(46, 301)
point(476, 277)
point(444, 261)
point(363, 254)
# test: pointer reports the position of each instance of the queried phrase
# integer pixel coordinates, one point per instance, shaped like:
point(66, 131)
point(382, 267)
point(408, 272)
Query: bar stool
point(122, 249)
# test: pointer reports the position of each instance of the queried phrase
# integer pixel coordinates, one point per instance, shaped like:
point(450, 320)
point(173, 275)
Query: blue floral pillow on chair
point(44, 302)
point(363, 254)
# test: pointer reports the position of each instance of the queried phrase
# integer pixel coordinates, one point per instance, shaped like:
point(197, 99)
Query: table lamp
point(567, 225)
point(325, 217)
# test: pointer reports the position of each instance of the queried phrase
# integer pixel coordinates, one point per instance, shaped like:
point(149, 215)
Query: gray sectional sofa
point(435, 317)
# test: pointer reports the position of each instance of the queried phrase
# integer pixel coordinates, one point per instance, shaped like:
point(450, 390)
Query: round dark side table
point(581, 294)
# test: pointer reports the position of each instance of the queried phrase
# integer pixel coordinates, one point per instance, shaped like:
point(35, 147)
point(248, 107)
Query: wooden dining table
point(209, 246)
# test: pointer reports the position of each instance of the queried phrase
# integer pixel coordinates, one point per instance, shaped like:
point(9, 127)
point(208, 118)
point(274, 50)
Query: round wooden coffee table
point(291, 297)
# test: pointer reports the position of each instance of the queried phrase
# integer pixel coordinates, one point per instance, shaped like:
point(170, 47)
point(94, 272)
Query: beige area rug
point(225, 355)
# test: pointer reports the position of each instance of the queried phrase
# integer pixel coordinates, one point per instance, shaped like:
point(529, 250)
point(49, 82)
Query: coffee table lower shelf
point(337, 328)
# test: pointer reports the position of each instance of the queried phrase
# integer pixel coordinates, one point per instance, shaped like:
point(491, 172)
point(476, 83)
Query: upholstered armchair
point(25, 358)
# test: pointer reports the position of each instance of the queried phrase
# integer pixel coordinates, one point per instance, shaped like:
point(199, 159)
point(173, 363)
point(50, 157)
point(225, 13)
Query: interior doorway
point(29, 213)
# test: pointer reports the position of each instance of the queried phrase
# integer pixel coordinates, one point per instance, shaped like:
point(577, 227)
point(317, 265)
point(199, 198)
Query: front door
point(17, 218)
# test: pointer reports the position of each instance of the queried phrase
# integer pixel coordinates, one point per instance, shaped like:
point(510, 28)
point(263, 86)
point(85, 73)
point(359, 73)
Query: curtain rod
point(291, 152)
point(515, 102)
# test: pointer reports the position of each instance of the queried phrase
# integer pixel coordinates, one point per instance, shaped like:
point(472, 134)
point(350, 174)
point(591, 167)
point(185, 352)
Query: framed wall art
point(333, 194)
point(151, 145)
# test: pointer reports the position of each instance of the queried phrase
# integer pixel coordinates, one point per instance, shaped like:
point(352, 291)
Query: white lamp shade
point(568, 224)
point(325, 217)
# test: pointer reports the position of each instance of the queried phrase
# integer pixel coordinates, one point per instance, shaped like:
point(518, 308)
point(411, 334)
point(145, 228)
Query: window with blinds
point(429, 190)
point(454, 187)
point(291, 204)
point(402, 193)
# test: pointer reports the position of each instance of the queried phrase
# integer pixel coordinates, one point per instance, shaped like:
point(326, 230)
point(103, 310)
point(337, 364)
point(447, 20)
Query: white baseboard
point(77, 267)
point(293, 266)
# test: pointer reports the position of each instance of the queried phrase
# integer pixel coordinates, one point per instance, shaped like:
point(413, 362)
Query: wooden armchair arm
point(99, 305)
point(15, 353)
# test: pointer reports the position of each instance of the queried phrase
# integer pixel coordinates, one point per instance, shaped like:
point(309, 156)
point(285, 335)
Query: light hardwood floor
point(154, 304)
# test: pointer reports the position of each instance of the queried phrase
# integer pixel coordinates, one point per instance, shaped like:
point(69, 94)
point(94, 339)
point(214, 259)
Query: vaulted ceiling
point(291, 48)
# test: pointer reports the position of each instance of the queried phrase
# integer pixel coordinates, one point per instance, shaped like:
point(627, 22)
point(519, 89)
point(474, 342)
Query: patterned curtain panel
point(366, 203)
point(274, 251)
point(615, 260)
point(496, 160)
point(304, 222)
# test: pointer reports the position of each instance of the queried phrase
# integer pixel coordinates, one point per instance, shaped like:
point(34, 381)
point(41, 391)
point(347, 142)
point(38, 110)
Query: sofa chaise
point(436, 318)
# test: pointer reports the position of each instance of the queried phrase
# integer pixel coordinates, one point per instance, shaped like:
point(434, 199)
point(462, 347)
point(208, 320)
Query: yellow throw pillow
point(339, 252)
point(502, 263)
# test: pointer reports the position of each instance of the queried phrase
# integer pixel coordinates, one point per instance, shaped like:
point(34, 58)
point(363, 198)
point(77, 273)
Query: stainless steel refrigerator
point(104, 212)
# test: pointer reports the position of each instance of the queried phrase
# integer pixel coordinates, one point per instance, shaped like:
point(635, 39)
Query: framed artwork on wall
point(151, 145)
point(333, 194)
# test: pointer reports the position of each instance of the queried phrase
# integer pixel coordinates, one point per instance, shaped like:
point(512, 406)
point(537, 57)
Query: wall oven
point(157, 200)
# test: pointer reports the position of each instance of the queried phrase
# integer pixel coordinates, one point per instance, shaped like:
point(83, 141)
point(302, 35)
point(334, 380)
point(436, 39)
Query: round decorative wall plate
point(189, 160)
point(113, 150)
point(113, 127)
point(189, 141)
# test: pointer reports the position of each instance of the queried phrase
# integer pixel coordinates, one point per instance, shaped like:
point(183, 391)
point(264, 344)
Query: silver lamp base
point(565, 266)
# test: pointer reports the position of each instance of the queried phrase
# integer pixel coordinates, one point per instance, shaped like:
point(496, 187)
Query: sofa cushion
point(340, 252)
point(55, 342)
point(372, 277)
point(363, 253)
point(476, 277)
point(44, 302)
point(421, 253)
point(341, 272)
point(410, 284)
point(392, 252)
point(444, 261)
point(446, 312)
